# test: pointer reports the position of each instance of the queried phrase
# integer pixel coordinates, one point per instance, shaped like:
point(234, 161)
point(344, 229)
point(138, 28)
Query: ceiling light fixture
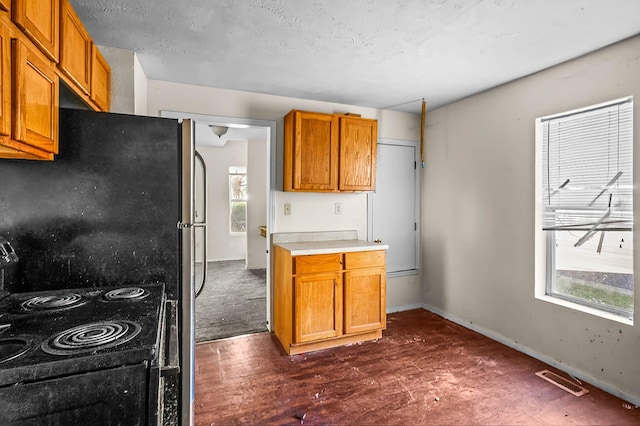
point(218, 130)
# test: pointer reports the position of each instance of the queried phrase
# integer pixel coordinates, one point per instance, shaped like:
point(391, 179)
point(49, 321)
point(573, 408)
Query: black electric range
point(76, 355)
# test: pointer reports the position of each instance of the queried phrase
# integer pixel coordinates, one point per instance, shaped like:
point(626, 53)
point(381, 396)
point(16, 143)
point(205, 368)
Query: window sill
point(586, 309)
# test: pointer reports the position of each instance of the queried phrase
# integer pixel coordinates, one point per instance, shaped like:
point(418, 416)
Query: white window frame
point(236, 200)
point(545, 240)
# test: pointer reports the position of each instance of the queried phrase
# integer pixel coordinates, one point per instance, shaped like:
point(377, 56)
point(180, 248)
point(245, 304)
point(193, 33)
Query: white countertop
point(331, 246)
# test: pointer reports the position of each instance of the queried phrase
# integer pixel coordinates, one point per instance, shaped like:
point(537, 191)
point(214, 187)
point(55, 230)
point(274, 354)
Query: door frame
point(220, 120)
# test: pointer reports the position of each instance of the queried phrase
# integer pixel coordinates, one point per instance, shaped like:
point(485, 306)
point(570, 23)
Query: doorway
point(238, 155)
point(232, 301)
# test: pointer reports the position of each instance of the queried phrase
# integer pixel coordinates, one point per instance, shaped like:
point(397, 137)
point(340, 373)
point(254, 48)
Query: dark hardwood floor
point(425, 370)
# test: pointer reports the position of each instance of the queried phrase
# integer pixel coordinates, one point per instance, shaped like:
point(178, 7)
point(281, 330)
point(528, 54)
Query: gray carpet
point(233, 302)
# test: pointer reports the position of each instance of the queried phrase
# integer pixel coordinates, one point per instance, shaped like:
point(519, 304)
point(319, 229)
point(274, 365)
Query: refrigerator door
point(202, 225)
point(103, 213)
point(188, 276)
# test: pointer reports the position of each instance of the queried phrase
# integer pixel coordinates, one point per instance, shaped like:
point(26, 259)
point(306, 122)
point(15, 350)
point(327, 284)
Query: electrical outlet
point(287, 209)
point(338, 208)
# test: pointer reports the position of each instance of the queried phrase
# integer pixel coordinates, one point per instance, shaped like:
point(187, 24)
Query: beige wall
point(478, 201)
point(222, 245)
point(310, 211)
point(128, 81)
point(477, 206)
point(139, 88)
point(257, 187)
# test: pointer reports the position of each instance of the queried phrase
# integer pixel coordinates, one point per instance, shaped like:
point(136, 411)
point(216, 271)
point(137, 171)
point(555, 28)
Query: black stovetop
point(42, 333)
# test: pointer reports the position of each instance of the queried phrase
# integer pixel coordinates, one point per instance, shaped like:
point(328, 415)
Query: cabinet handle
point(377, 241)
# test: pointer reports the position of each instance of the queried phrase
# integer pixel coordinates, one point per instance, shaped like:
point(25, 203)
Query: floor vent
point(562, 383)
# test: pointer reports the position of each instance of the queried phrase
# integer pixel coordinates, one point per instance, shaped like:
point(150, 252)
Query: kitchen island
point(329, 289)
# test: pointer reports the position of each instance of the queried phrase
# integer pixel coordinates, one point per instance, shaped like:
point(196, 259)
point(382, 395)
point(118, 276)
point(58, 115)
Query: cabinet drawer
point(364, 259)
point(317, 263)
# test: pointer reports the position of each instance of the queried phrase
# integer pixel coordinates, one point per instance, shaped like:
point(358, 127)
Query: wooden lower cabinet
point(364, 300)
point(317, 306)
point(321, 302)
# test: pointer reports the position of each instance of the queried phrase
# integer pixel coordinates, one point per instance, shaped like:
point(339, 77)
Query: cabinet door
point(358, 149)
point(40, 21)
point(365, 300)
point(35, 100)
point(317, 306)
point(5, 80)
point(311, 152)
point(100, 80)
point(75, 48)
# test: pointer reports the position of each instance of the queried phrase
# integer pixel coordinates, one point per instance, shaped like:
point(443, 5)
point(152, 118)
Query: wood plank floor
point(232, 303)
point(425, 370)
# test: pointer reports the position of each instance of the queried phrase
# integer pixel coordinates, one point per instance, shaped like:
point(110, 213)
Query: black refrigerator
point(114, 208)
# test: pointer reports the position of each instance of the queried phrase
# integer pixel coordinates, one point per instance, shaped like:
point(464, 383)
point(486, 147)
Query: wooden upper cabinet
point(329, 152)
point(35, 99)
point(358, 150)
point(41, 43)
point(100, 80)
point(5, 81)
point(82, 66)
point(311, 152)
point(75, 48)
point(40, 21)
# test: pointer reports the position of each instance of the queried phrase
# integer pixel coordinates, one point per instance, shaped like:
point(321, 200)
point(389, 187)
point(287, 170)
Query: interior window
point(237, 199)
point(587, 205)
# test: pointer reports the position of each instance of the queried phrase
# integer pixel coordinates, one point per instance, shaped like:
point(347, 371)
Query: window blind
point(588, 169)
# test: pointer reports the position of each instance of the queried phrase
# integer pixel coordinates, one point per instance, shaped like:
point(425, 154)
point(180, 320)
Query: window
point(237, 199)
point(586, 195)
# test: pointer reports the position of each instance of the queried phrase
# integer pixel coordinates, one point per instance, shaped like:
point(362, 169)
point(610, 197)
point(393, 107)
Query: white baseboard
point(581, 375)
point(392, 309)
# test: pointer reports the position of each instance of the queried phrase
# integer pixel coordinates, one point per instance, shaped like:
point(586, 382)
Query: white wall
point(222, 244)
point(128, 81)
point(139, 87)
point(310, 211)
point(257, 185)
point(121, 62)
point(478, 200)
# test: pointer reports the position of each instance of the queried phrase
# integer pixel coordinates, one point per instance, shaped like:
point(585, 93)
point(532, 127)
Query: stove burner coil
point(14, 347)
point(91, 337)
point(53, 302)
point(126, 293)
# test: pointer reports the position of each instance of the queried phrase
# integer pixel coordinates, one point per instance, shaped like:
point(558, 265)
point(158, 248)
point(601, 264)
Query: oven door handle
point(171, 365)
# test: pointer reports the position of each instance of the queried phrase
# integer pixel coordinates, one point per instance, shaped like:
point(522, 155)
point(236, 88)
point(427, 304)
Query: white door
point(394, 206)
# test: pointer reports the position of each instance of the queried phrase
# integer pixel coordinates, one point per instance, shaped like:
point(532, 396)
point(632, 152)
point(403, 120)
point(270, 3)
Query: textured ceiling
point(374, 53)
